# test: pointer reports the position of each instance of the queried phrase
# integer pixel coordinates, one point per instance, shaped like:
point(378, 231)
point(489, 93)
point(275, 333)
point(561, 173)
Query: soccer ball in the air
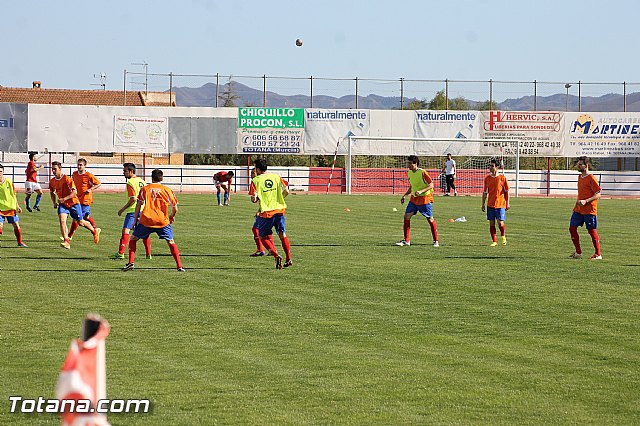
point(299, 42)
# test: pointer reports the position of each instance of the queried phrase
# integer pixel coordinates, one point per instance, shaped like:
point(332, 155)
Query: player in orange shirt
point(496, 189)
point(67, 203)
point(85, 183)
point(586, 209)
point(154, 218)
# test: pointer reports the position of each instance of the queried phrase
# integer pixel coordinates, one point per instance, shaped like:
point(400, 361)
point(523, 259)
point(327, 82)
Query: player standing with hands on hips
point(496, 189)
point(421, 190)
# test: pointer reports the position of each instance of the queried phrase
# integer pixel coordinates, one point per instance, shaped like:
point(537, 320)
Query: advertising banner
point(602, 134)
point(326, 129)
point(270, 130)
point(13, 127)
point(142, 134)
point(540, 133)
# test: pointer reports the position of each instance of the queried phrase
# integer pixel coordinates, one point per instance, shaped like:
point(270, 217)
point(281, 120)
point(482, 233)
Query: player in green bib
point(270, 190)
point(421, 191)
point(9, 207)
point(134, 184)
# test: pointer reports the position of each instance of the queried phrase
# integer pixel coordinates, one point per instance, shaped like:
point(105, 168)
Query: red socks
point(175, 253)
point(595, 239)
point(492, 231)
point(287, 247)
point(503, 227)
point(147, 247)
point(434, 229)
point(268, 243)
point(18, 233)
point(256, 238)
point(74, 226)
point(407, 230)
point(132, 250)
point(575, 238)
point(91, 221)
point(124, 240)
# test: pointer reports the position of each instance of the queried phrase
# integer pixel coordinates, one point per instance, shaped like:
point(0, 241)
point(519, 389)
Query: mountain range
point(205, 96)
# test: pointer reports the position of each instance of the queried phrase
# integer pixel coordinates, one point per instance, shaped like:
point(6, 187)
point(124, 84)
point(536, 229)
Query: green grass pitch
point(359, 331)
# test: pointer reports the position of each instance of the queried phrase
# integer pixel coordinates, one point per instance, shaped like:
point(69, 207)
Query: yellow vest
point(269, 192)
point(136, 183)
point(417, 182)
point(8, 200)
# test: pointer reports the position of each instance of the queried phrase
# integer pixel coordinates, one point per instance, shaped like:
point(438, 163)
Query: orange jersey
point(587, 188)
point(495, 187)
point(157, 198)
point(83, 182)
point(427, 198)
point(63, 187)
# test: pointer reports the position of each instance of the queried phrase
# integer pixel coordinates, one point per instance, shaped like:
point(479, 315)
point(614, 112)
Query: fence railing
point(364, 180)
point(392, 93)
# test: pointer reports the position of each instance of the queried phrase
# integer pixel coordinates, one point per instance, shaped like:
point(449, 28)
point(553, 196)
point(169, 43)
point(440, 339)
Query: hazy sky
point(64, 43)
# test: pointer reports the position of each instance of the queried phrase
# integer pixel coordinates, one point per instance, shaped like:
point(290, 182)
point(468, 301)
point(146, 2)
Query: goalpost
point(375, 159)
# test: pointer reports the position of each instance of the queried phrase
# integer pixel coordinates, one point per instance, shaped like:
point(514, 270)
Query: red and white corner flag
point(84, 374)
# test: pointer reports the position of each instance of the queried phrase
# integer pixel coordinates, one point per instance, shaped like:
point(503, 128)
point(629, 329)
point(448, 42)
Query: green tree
point(488, 106)
point(229, 96)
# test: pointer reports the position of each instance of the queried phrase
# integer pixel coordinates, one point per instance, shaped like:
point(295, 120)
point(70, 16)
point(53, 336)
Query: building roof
point(38, 95)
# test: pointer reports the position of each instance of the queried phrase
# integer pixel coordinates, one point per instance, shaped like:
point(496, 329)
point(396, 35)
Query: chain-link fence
point(216, 90)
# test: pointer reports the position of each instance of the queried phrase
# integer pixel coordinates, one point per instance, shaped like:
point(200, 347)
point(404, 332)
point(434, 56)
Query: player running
point(421, 190)
point(586, 209)
point(31, 185)
point(496, 189)
point(152, 211)
point(134, 185)
point(222, 180)
point(9, 207)
point(85, 183)
point(270, 190)
point(67, 203)
point(254, 229)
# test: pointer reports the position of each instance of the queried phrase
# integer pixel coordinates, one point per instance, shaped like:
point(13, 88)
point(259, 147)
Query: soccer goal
point(379, 164)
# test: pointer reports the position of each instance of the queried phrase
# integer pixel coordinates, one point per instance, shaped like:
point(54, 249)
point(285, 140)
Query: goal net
point(379, 164)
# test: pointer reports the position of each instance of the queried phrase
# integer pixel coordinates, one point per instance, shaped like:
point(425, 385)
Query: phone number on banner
point(271, 141)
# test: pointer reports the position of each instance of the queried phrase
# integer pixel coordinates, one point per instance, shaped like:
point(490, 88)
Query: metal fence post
point(356, 92)
point(401, 93)
point(535, 94)
point(446, 93)
point(311, 92)
point(264, 90)
point(217, 86)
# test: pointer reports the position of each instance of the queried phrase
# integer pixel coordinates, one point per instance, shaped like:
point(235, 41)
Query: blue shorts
point(128, 221)
point(589, 220)
point(164, 233)
point(74, 211)
point(425, 210)
point(86, 210)
point(265, 225)
point(496, 213)
point(10, 219)
point(255, 222)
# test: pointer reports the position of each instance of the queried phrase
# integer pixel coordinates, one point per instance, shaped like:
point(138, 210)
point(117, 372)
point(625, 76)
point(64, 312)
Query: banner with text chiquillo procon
point(602, 134)
point(264, 130)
